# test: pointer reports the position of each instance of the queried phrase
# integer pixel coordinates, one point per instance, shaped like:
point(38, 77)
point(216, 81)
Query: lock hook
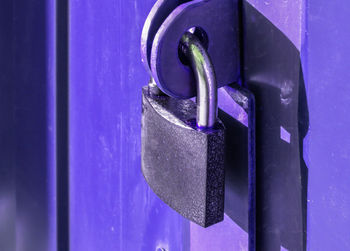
point(202, 67)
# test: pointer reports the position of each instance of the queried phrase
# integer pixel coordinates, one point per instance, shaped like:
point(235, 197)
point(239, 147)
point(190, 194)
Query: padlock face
point(184, 166)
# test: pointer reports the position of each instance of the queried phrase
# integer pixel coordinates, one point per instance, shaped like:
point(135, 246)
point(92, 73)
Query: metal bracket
point(164, 27)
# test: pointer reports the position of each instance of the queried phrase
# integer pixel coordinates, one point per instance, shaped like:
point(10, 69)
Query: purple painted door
point(70, 95)
point(111, 207)
point(301, 140)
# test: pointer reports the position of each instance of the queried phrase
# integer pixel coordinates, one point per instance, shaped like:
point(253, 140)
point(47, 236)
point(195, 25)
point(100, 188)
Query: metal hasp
point(163, 30)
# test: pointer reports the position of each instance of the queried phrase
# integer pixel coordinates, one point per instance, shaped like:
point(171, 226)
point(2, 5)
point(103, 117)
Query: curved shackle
point(203, 70)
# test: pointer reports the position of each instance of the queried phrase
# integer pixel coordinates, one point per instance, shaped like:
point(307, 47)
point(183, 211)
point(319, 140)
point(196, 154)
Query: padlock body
point(183, 165)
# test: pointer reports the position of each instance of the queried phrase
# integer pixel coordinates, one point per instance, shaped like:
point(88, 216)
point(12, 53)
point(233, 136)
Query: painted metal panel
point(317, 29)
point(34, 124)
point(28, 195)
point(327, 149)
point(111, 206)
point(272, 71)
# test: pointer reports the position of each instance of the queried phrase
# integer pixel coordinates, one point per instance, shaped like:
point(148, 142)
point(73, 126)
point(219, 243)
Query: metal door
point(70, 97)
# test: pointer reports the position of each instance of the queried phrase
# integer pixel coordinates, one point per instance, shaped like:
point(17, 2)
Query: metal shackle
point(203, 70)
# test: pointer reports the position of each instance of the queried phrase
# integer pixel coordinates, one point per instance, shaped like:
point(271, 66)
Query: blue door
point(70, 95)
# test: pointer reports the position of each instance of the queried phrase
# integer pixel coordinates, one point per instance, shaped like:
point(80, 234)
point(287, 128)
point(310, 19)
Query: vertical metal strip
point(30, 103)
point(241, 41)
point(7, 165)
point(62, 126)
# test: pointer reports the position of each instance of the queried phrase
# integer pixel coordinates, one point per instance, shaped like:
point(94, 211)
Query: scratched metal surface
point(287, 15)
point(272, 72)
point(327, 148)
point(317, 29)
point(111, 206)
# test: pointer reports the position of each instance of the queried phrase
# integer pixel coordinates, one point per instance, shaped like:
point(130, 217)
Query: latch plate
point(162, 34)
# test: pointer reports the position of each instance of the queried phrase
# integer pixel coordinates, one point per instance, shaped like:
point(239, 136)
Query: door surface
point(70, 94)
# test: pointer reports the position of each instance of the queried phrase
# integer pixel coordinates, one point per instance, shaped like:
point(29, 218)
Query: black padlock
point(183, 143)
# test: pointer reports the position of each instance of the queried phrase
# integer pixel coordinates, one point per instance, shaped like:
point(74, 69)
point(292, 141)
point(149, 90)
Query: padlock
point(183, 143)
